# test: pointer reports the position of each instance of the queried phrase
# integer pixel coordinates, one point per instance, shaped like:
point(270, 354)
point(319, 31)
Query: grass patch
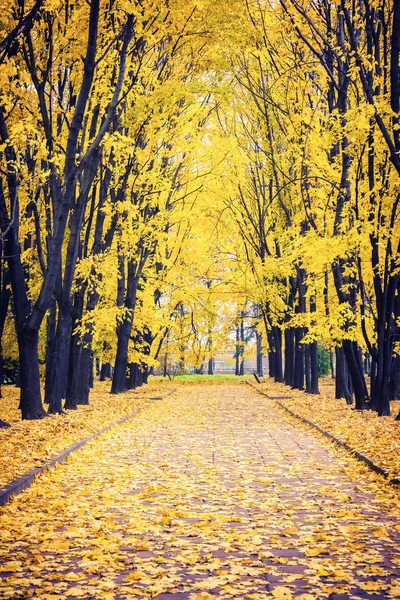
point(208, 378)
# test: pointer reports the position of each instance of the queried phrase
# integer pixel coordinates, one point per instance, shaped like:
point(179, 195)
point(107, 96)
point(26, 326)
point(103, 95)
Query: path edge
point(376, 468)
point(23, 482)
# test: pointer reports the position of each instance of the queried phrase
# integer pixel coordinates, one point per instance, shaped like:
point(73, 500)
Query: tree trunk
point(299, 359)
point(31, 403)
point(50, 344)
point(105, 371)
point(277, 333)
point(342, 389)
point(395, 379)
point(237, 352)
point(271, 355)
point(307, 367)
point(210, 370)
point(289, 356)
point(314, 368)
point(59, 376)
point(259, 355)
point(354, 365)
point(124, 331)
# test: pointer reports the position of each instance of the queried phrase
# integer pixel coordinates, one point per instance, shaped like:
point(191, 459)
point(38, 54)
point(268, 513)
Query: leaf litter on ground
point(29, 444)
point(377, 438)
point(210, 493)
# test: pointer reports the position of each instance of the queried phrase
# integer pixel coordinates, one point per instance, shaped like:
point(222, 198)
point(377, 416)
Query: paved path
point(209, 493)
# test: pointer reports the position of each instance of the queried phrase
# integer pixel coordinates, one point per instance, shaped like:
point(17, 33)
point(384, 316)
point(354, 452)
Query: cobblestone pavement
point(209, 493)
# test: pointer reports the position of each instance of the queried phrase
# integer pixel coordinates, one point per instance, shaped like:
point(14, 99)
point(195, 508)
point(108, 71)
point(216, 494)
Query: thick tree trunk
point(210, 369)
point(31, 403)
point(121, 361)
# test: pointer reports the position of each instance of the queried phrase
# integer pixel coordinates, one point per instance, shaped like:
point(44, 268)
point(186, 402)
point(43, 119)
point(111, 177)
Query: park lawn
point(377, 438)
point(29, 444)
point(205, 378)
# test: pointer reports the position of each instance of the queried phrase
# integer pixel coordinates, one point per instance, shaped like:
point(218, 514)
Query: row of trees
point(101, 105)
point(315, 120)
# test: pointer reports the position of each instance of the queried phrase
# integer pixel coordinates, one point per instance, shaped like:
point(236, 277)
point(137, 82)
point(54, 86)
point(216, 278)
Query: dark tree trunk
point(91, 377)
point(289, 356)
point(259, 355)
point(342, 379)
point(299, 359)
point(165, 366)
point(50, 344)
point(31, 403)
point(75, 381)
point(271, 355)
point(307, 367)
point(124, 331)
point(4, 302)
point(237, 352)
point(210, 370)
point(314, 368)
point(59, 374)
point(395, 379)
point(373, 374)
point(121, 360)
point(354, 365)
point(105, 371)
point(242, 343)
point(277, 333)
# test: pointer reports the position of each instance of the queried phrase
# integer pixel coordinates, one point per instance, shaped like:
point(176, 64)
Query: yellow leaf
point(77, 592)
point(371, 586)
point(282, 593)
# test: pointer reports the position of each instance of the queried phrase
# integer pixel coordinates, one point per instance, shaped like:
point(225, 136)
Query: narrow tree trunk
point(314, 368)
point(237, 353)
point(277, 333)
point(307, 367)
point(210, 370)
point(259, 355)
point(271, 355)
point(299, 359)
point(50, 344)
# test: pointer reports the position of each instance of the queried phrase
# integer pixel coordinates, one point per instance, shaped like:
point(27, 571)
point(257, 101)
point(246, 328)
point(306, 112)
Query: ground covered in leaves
point(29, 444)
point(209, 493)
point(377, 438)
